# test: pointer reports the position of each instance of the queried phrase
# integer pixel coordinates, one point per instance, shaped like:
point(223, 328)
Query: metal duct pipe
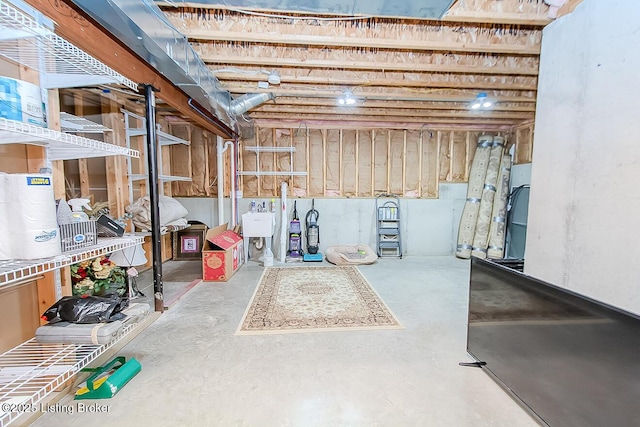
point(248, 101)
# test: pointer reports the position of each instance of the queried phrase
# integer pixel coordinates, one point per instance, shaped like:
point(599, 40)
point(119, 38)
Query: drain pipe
point(220, 151)
point(232, 198)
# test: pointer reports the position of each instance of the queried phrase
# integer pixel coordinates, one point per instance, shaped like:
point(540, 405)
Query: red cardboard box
point(221, 254)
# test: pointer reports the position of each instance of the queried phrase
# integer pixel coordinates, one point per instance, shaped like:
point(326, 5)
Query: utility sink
point(258, 224)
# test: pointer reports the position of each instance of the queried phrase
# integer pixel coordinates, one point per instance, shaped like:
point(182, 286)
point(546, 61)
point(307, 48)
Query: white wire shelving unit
point(60, 63)
point(265, 149)
point(12, 271)
point(32, 371)
point(60, 145)
point(164, 139)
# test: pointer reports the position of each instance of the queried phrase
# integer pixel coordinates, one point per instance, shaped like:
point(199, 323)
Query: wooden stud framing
point(448, 153)
point(404, 163)
point(324, 162)
point(437, 174)
point(357, 162)
point(208, 141)
point(388, 161)
point(276, 167)
point(451, 156)
point(115, 166)
point(373, 163)
point(420, 155)
point(530, 147)
point(308, 164)
point(340, 167)
point(467, 152)
point(83, 164)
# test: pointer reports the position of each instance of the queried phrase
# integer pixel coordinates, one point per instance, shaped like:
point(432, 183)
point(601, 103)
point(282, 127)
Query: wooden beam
point(337, 123)
point(422, 81)
point(287, 101)
point(361, 42)
point(350, 111)
point(79, 29)
point(302, 117)
point(226, 60)
point(568, 7)
point(382, 94)
point(510, 12)
point(481, 17)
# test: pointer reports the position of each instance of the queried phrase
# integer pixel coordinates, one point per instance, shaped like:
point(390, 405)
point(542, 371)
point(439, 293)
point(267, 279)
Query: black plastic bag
point(89, 309)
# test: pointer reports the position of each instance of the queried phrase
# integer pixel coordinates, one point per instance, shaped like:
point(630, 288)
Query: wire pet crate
point(78, 235)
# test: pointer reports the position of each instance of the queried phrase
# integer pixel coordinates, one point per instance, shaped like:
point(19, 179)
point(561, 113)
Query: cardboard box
point(188, 243)
point(221, 254)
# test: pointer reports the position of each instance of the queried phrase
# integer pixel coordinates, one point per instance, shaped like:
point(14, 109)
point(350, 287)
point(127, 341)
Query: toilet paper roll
point(6, 248)
point(33, 216)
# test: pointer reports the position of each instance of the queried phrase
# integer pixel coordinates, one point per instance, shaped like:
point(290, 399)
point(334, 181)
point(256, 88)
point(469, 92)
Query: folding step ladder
point(388, 231)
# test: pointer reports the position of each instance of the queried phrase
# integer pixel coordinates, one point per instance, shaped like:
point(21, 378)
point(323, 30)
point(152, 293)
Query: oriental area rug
point(314, 299)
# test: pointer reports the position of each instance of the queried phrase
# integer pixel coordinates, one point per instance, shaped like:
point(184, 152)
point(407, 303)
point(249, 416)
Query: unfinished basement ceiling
point(425, 9)
point(403, 72)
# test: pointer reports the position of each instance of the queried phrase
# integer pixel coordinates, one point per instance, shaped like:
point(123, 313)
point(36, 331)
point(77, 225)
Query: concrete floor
point(195, 372)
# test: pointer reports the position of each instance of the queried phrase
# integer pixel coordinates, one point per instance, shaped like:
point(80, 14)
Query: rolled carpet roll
point(474, 194)
point(499, 215)
point(481, 236)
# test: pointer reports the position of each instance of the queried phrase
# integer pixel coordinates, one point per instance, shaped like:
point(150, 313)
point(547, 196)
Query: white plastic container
point(268, 258)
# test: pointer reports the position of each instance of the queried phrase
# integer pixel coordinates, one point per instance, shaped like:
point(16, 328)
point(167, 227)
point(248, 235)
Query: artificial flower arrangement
point(98, 276)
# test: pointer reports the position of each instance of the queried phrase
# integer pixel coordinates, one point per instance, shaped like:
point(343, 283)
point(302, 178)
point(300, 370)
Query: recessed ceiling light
point(481, 101)
point(347, 98)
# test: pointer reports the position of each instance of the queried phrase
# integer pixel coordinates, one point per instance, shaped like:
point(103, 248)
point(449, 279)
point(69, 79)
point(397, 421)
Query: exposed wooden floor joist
point(407, 70)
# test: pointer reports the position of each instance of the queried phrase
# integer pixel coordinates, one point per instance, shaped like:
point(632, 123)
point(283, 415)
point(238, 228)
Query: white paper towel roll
point(33, 216)
point(6, 248)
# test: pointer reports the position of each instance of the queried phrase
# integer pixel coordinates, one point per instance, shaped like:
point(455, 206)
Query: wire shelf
point(25, 41)
point(33, 370)
point(61, 146)
point(71, 123)
point(62, 64)
point(12, 271)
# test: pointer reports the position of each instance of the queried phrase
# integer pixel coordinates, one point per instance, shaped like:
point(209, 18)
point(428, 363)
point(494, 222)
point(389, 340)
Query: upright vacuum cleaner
point(294, 254)
point(313, 235)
